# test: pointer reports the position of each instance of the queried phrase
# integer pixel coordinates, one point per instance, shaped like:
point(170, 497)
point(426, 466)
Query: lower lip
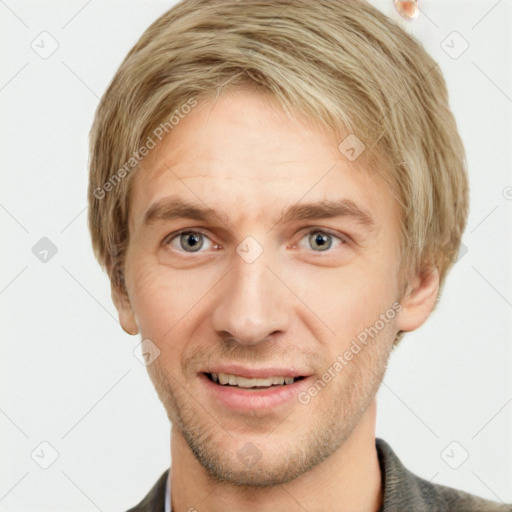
point(250, 400)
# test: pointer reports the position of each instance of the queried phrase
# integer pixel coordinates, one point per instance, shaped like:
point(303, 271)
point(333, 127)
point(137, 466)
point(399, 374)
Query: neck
point(349, 479)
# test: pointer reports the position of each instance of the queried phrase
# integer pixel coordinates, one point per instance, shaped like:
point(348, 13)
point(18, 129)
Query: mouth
point(255, 384)
point(259, 390)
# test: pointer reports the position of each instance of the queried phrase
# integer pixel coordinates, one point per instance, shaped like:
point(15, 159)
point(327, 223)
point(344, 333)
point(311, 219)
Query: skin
point(297, 305)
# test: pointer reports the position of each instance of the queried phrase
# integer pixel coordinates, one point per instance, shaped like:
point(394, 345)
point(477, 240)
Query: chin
point(256, 462)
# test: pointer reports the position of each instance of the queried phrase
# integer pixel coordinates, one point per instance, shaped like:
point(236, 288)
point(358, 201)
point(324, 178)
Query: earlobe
point(419, 300)
point(124, 310)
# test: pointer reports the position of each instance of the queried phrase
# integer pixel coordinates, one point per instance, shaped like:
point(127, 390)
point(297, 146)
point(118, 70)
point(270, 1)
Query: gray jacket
point(403, 491)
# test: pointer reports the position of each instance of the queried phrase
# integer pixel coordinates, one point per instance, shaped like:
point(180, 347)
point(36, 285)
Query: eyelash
point(343, 239)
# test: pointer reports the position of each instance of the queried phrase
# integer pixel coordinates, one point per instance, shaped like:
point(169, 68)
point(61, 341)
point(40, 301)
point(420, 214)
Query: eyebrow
point(329, 209)
point(171, 208)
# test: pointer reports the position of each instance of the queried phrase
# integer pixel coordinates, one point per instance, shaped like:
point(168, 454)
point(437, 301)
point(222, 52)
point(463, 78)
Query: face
point(258, 255)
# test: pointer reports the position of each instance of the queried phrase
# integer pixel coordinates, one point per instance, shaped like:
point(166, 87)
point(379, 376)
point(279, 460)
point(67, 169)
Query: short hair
point(343, 64)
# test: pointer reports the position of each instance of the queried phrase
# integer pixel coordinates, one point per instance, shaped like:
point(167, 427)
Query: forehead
point(242, 155)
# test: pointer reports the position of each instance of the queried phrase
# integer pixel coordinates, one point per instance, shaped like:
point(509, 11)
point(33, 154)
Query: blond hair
point(342, 63)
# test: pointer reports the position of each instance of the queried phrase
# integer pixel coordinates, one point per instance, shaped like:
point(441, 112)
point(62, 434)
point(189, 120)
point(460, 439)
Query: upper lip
point(255, 373)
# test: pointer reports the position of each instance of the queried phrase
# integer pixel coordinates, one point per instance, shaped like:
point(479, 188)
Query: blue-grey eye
point(191, 241)
point(320, 240)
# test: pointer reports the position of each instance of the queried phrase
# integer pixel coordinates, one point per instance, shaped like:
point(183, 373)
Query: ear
point(124, 310)
point(419, 300)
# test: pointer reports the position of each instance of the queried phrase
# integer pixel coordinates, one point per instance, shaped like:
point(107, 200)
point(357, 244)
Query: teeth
point(242, 382)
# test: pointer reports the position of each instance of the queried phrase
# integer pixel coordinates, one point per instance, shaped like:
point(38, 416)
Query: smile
point(244, 394)
point(227, 379)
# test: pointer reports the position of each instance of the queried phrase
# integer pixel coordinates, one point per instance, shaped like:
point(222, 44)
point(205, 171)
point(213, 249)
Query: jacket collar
point(402, 491)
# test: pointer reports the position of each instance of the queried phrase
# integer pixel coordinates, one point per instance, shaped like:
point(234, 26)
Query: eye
point(188, 241)
point(321, 241)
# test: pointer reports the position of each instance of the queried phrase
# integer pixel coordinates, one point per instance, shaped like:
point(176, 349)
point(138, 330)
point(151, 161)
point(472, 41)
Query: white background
point(69, 376)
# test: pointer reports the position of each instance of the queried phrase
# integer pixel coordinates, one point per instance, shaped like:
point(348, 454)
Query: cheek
point(162, 298)
point(153, 302)
point(349, 292)
point(348, 300)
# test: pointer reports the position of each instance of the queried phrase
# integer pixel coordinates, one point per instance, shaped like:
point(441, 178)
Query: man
point(307, 153)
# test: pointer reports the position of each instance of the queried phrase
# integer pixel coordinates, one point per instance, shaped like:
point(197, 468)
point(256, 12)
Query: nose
point(252, 303)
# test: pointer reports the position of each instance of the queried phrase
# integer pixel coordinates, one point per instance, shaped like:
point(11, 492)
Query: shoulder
point(403, 490)
point(154, 501)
